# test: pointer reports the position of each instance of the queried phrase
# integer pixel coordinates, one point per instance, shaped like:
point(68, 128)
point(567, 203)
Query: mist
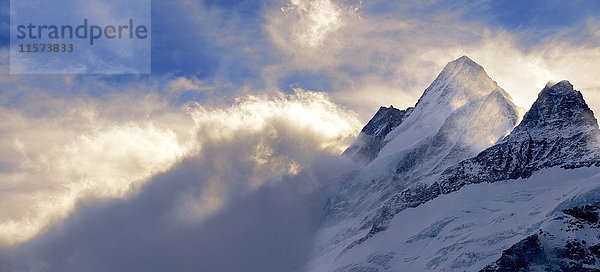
point(269, 229)
point(244, 196)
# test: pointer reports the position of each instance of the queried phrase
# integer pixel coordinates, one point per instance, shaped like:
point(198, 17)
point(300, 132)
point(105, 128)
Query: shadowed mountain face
point(446, 143)
point(372, 137)
point(558, 108)
point(561, 243)
point(559, 130)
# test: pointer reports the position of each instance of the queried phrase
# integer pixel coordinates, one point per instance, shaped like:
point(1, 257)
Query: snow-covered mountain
point(461, 113)
point(426, 202)
point(461, 86)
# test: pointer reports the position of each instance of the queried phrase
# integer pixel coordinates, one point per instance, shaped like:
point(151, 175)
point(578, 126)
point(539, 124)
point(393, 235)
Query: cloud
point(390, 52)
point(314, 20)
point(74, 149)
point(268, 229)
point(524, 72)
point(79, 151)
point(275, 136)
point(184, 84)
point(244, 179)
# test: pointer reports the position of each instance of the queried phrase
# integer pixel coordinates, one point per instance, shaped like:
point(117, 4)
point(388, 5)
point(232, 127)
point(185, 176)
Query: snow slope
point(461, 82)
point(464, 230)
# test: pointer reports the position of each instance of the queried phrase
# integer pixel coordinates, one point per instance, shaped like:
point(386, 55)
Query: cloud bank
point(107, 148)
point(94, 189)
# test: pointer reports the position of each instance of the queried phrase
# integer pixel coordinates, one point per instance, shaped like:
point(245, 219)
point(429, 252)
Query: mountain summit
point(559, 130)
point(558, 108)
point(460, 78)
point(461, 88)
point(460, 82)
point(460, 114)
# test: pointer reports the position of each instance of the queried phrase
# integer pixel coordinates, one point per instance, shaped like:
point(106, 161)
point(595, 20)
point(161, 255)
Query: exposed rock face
point(562, 244)
point(520, 256)
point(372, 137)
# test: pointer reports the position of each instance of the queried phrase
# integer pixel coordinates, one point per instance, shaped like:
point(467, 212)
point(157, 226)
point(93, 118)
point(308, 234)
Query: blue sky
point(182, 43)
point(191, 49)
point(542, 16)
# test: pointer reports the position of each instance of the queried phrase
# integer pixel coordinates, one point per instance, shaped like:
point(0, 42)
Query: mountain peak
point(464, 60)
point(460, 79)
point(462, 85)
point(463, 65)
point(563, 85)
point(561, 108)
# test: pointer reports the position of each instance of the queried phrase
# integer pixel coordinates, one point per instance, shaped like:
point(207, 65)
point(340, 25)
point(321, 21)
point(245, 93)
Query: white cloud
point(49, 163)
point(274, 136)
point(314, 20)
point(87, 148)
point(525, 72)
point(390, 57)
point(154, 177)
point(184, 84)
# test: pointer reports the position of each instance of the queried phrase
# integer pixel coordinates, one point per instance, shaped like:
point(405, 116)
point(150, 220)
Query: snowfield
point(464, 230)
